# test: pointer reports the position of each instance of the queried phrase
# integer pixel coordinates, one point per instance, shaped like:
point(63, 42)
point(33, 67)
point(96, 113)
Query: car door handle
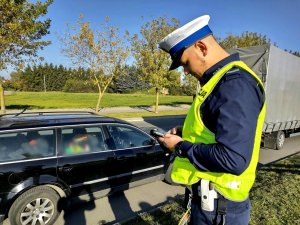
point(66, 169)
point(121, 158)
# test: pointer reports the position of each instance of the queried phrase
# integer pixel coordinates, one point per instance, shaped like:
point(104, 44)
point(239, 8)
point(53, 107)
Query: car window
point(79, 140)
point(27, 145)
point(127, 137)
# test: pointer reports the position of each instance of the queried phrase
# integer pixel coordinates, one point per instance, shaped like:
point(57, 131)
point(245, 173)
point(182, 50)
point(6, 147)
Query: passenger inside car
point(79, 142)
point(36, 146)
point(30, 146)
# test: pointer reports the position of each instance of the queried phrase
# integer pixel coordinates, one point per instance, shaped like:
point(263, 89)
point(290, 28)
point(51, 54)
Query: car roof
point(45, 119)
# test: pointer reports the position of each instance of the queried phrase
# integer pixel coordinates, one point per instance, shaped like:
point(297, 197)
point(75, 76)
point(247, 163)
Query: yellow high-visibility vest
point(231, 186)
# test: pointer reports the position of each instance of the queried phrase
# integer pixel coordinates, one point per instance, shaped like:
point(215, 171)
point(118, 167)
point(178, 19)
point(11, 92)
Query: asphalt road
point(124, 205)
point(121, 206)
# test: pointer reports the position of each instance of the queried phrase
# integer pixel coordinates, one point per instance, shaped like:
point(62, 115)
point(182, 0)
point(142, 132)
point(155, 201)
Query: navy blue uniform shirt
point(231, 113)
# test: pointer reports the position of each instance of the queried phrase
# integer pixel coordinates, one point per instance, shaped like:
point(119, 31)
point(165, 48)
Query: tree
point(32, 79)
point(16, 81)
point(102, 52)
point(189, 86)
point(246, 39)
point(152, 61)
point(174, 83)
point(128, 81)
point(21, 30)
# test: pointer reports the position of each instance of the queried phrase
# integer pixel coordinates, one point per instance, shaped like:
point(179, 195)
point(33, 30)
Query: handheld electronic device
point(155, 133)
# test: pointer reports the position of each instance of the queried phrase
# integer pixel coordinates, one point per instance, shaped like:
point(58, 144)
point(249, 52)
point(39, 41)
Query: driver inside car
point(79, 143)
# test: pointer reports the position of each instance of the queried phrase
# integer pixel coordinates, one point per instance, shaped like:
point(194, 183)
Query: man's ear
point(202, 47)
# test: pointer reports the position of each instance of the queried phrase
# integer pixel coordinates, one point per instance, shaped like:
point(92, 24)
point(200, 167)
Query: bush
point(80, 86)
point(175, 90)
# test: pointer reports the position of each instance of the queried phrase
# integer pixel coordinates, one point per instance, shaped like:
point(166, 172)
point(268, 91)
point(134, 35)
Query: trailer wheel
point(280, 138)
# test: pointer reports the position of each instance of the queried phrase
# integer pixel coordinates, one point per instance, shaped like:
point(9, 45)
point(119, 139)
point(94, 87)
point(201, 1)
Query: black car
point(47, 157)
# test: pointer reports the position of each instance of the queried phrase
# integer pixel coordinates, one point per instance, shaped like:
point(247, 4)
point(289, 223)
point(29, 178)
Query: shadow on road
point(143, 108)
point(158, 214)
point(282, 168)
point(28, 107)
point(120, 206)
point(78, 208)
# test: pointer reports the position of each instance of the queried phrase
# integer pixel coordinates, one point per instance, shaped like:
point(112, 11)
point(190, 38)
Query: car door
point(85, 161)
point(27, 158)
point(138, 155)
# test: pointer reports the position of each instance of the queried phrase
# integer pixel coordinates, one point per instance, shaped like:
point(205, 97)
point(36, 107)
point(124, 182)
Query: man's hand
point(176, 130)
point(170, 140)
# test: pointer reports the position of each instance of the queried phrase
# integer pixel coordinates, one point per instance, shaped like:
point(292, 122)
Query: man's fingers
point(161, 139)
point(168, 135)
point(172, 131)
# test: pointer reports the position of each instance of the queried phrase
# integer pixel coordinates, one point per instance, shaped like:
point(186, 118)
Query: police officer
point(218, 150)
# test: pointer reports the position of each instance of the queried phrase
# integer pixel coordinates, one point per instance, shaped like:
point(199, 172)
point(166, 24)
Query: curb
point(136, 119)
point(141, 119)
point(103, 110)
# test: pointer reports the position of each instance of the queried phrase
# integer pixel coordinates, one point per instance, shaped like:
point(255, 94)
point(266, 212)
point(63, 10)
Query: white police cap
point(177, 41)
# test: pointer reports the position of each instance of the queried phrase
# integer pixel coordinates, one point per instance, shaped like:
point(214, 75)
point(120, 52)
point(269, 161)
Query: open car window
point(128, 137)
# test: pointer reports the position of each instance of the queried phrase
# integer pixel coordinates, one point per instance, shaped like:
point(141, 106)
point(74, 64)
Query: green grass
point(276, 194)
point(48, 100)
point(274, 197)
point(168, 214)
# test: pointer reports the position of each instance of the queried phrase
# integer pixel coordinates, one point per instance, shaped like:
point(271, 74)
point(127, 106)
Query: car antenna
point(23, 110)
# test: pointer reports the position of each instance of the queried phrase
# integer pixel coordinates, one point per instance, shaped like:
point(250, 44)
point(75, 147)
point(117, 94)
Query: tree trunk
point(156, 104)
point(100, 95)
point(2, 103)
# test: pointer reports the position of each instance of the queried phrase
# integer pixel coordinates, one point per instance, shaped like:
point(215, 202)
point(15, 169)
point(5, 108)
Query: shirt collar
point(212, 70)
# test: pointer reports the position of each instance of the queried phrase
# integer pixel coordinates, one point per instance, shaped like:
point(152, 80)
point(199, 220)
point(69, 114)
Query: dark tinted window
point(27, 145)
point(127, 137)
point(80, 140)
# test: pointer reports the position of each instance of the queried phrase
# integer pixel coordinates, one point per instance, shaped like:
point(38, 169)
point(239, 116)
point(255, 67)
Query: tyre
point(36, 206)
point(280, 138)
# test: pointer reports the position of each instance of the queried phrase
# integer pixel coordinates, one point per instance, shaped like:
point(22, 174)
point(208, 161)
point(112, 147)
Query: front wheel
point(36, 206)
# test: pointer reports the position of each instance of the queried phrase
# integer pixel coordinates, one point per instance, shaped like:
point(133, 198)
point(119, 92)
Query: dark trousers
point(238, 213)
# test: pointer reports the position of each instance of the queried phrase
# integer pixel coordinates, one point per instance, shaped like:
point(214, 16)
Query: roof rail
point(41, 113)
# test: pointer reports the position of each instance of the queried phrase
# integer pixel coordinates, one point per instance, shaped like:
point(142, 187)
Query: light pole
point(45, 83)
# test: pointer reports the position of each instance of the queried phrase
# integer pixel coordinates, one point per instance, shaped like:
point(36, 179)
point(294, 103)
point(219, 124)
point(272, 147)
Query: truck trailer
point(280, 73)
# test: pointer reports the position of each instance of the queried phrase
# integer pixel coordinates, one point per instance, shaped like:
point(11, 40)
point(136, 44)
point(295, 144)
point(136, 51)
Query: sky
point(279, 20)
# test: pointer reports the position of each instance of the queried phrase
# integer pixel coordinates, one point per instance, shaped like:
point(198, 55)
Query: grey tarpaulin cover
point(280, 73)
